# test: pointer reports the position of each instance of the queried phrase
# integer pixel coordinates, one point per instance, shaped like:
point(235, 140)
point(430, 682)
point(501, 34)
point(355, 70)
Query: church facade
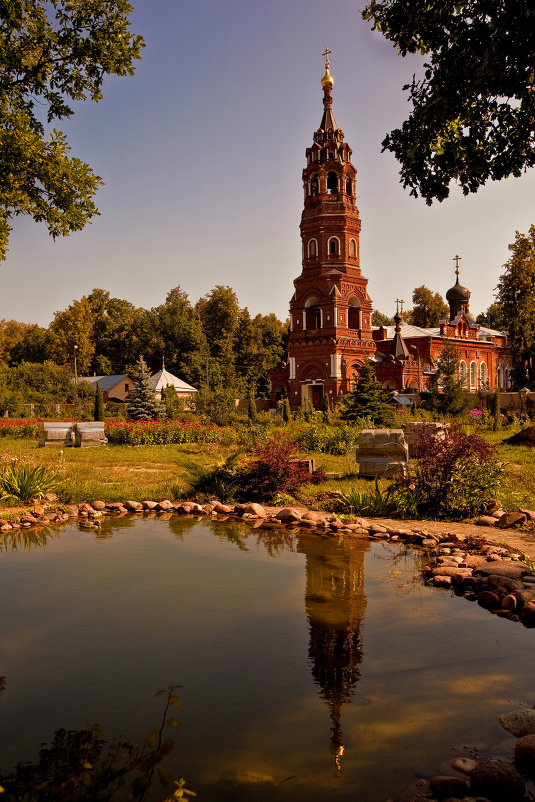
point(331, 312)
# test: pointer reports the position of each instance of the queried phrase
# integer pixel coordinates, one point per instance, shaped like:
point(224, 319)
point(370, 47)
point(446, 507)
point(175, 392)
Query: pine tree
point(367, 400)
point(142, 405)
point(98, 412)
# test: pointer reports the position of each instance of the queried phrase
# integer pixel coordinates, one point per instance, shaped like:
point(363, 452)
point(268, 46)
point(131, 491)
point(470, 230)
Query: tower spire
point(327, 82)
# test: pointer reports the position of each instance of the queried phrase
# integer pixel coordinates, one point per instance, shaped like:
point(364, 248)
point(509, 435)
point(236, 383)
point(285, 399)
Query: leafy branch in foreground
point(73, 768)
point(52, 53)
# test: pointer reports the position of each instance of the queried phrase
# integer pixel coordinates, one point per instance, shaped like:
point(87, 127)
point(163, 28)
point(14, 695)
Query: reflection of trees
point(83, 765)
point(25, 539)
point(335, 605)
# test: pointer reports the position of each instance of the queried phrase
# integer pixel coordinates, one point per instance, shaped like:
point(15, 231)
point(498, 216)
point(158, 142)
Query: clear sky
point(202, 150)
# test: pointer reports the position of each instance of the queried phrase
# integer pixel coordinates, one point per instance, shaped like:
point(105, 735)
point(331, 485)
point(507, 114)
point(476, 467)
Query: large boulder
point(514, 570)
point(255, 509)
point(288, 515)
point(525, 755)
point(497, 781)
point(519, 722)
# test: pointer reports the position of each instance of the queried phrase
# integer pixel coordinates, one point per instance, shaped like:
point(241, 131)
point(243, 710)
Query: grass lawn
point(118, 472)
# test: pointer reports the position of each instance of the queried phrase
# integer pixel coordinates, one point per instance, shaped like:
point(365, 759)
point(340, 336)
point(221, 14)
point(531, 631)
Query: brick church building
point(331, 312)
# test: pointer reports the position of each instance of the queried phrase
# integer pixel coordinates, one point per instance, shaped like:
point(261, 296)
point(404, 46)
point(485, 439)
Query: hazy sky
point(202, 150)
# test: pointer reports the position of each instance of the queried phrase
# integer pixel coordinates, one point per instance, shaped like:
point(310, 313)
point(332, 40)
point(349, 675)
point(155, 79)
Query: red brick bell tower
point(330, 312)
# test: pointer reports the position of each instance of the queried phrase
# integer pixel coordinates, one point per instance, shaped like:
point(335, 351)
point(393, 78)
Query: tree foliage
point(473, 111)
point(379, 319)
point(52, 54)
point(492, 318)
point(98, 412)
point(367, 399)
point(516, 296)
point(429, 307)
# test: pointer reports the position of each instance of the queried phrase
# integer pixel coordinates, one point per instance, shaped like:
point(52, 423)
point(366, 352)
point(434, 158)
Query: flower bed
point(19, 427)
point(142, 433)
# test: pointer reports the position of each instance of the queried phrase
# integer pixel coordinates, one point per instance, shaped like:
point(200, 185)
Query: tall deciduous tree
point(218, 312)
point(184, 342)
point(516, 295)
point(429, 307)
point(473, 111)
point(53, 52)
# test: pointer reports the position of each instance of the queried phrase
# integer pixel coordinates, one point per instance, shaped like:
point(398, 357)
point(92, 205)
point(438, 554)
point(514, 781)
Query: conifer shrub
point(252, 413)
point(368, 400)
point(142, 405)
point(452, 477)
point(286, 411)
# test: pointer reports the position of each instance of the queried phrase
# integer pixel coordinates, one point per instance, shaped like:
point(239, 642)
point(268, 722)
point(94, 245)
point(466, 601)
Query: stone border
point(494, 576)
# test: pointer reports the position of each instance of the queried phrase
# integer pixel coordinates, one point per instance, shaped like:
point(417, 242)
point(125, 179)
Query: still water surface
point(311, 669)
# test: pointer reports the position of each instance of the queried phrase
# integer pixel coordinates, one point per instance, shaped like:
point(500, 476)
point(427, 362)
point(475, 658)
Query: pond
point(310, 668)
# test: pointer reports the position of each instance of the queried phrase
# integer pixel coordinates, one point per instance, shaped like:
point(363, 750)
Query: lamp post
point(414, 348)
point(75, 368)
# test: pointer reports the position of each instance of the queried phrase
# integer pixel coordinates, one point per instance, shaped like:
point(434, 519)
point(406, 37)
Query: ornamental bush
point(453, 477)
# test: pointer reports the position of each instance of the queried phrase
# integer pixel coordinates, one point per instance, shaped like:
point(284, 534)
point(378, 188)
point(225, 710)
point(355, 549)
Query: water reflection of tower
point(335, 605)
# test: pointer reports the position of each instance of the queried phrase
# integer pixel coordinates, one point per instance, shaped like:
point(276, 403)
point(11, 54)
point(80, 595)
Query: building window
point(352, 249)
point(353, 314)
point(314, 185)
point(349, 188)
point(463, 372)
point(332, 183)
point(334, 246)
point(473, 376)
point(312, 247)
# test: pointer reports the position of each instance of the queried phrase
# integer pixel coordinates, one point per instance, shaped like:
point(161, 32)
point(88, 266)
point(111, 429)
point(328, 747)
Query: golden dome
point(327, 80)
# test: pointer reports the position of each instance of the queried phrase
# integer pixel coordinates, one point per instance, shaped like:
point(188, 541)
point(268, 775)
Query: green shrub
point(22, 481)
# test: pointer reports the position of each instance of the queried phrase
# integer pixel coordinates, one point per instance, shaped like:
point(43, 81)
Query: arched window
point(352, 249)
point(314, 185)
point(483, 375)
point(353, 314)
point(312, 314)
point(349, 187)
point(463, 372)
point(334, 246)
point(500, 376)
point(473, 376)
point(332, 182)
point(312, 247)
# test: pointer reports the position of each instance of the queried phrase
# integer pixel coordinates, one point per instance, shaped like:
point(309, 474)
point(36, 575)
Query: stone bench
point(382, 453)
point(56, 434)
point(65, 434)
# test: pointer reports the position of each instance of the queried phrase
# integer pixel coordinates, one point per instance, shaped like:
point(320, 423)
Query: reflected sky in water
point(311, 668)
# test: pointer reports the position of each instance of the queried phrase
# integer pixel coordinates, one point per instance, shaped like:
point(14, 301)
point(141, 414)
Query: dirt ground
point(513, 538)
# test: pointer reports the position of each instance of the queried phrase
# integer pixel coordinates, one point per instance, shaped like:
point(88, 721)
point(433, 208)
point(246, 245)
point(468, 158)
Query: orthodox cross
point(399, 303)
point(456, 259)
point(327, 53)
